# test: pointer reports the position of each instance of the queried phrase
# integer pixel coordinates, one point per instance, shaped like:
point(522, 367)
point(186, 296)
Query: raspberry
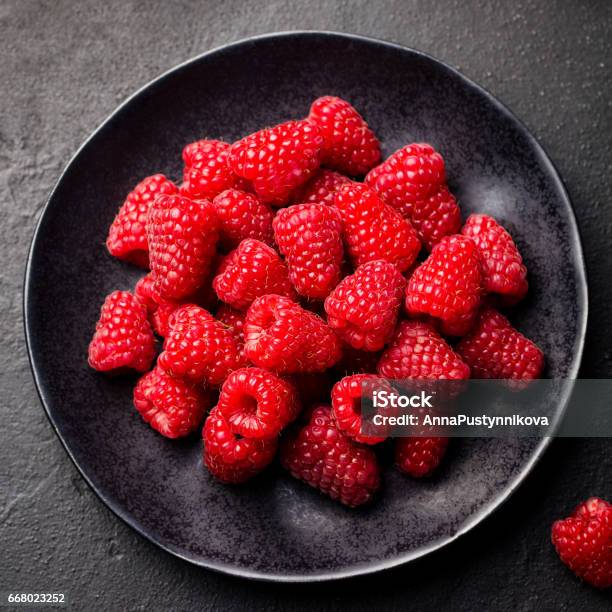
point(350, 145)
point(503, 268)
point(257, 403)
point(160, 309)
point(347, 396)
point(241, 215)
point(234, 320)
point(494, 349)
point(412, 174)
point(123, 339)
point(373, 230)
point(199, 348)
point(584, 542)
point(171, 406)
point(320, 189)
point(419, 352)
point(310, 238)
point(182, 241)
point(252, 270)
point(230, 457)
point(127, 236)
point(282, 336)
point(413, 180)
point(206, 173)
point(419, 456)
point(436, 217)
point(364, 307)
point(448, 285)
point(320, 455)
point(279, 159)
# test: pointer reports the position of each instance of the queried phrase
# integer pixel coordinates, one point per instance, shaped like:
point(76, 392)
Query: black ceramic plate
point(276, 528)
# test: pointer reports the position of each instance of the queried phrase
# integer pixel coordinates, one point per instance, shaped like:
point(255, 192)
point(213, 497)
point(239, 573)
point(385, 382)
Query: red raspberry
point(350, 145)
point(160, 309)
point(281, 336)
point(320, 189)
point(234, 320)
point(279, 159)
point(419, 352)
point(182, 242)
point(171, 406)
point(412, 174)
point(494, 349)
point(252, 270)
point(127, 236)
point(230, 457)
point(310, 238)
point(373, 230)
point(123, 339)
point(241, 216)
point(320, 455)
point(347, 396)
point(436, 217)
point(584, 542)
point(503, 268)
point(206, 173)
point(199, 348)
point(257, 403)
point(448, 285)
point(364, 307)
point(419, 456)
point(413, 181)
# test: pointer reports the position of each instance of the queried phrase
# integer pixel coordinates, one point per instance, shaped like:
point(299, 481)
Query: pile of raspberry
point(287, 270)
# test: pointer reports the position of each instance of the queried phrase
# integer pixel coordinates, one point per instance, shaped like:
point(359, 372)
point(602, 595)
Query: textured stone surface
point(66, 66)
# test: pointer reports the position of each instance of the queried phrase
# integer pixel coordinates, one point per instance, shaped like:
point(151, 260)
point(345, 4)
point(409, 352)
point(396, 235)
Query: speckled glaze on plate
point(276, 528)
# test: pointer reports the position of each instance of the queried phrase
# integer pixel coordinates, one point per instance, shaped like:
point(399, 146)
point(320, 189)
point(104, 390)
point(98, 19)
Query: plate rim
point(368, 567)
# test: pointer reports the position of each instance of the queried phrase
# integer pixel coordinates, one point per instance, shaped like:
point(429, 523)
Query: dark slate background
point(64, 68)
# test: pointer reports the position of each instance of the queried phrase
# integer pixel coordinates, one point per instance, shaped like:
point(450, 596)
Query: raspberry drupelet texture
point(182, 237)
point(206, 173)
point(320, 189)
point(350, 145)
point(242, 215)
point(199, 348)
point(448, 285)
point(413, 180)
point(437, 216)
point(412, 174)
point(419, 456)
point(310, 238)
point(173, 407)
point(282, 336)
point(250, 271)
point(123, 339)
point(323, 457)
point(257, 403)
point(127, 236)
point(584, 542)
point(495, 349)
point(347, 396)
point(231, 458)
point(364, 307)
point(279, 159)
point(234, 320)
point(503, 268)
point(373, 230)
point(417, 351)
